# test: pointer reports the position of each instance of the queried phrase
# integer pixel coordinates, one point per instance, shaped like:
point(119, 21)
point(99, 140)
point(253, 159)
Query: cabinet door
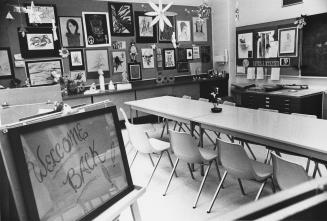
point(192, 90)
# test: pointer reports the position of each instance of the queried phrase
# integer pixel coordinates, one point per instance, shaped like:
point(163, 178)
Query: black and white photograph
point(121, 19)
point(71, 29)
point(285, 61)
point(76, 60)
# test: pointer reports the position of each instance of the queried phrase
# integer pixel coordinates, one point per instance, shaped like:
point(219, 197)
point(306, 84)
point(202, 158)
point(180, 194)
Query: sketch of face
point(72, 26)
point(183, 27)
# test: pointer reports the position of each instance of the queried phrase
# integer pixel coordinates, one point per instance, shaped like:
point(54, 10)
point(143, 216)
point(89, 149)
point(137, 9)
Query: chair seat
point(263, 171)
point(208, 154)
point(292, 177)
point(159, 145)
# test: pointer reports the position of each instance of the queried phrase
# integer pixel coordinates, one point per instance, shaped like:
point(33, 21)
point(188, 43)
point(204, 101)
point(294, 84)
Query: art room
point(142, 110)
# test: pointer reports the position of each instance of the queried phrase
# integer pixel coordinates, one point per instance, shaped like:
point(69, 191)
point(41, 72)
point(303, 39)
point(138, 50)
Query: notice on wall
point(260, 73)
point(250, 73)
point(275, 74)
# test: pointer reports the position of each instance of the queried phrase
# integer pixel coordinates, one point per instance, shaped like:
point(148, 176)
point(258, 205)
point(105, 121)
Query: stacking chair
point(186, 149)
point(236, 163)
point(181, 124)
point(143, 144)
point(287, 174)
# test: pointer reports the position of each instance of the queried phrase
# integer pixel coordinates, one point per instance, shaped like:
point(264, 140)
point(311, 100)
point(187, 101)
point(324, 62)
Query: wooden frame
point(61, 193)
point(6, 64)
point(97, 58)
point(145, 34)
point(76, 59)
point(68, 39)
point(134, 71)
point(96, 29)
point(286, 3)
point(169, 58)
point(288, 42)
point(49, 13)
point(121, 23)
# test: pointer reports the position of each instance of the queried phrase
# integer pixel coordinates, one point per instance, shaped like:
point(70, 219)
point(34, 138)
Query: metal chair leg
point(217, 168)
point(190, 169)
point(273, 185)
point(151, 159)
point(249, 148)
point(308, 166)
point(202, 183)
point(231, 139)
point(171, 162)
point(267, 156)
point(175, 125)
point(154, 168)
point(217, 134)
point(241, 186)
point(316, 169)
point(163, 128)
point(171, 176)
point(133, 159)
point(212, 141)
point(260, 190)
point(217, 191)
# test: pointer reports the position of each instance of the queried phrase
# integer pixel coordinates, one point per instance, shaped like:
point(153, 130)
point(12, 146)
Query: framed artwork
point(189, 53)
point(89, 170)
point(96, 59)
point(121, 19)
point(119, 45)
point(205, 51)
point(78, 75)
point(96, 29)
point(76, 59)
point(165, 35)
point(71, 29)
point(39, 72)
point(196, 52)
point(267, 44)
point(182, 67)
point(134, 71)
point(245, 45)
point(181, 54)
point(285, 61)
point(169, 59)
point(43, 16)
point(6, 65)
point(288, 42)
point(144, 32)
point(38, 43)
point(291, 2)
point(147, 58)
point(195, 68)
point(119, 61)
point(183, 31)
point(200, 30)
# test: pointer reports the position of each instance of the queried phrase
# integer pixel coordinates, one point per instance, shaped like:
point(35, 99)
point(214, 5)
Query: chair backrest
point(287, 174)
point(270, 110)
point(304, 115)
point(203, 99)
point(137, 136)
point(185, 147)
point(229, 103)
point(187, 97)
point(235, 160)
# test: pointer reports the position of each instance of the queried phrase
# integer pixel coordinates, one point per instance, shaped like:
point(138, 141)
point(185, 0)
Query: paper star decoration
point(161, 14)
point(34, 15)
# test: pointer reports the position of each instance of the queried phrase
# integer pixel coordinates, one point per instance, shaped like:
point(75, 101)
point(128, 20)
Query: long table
point(290, 133)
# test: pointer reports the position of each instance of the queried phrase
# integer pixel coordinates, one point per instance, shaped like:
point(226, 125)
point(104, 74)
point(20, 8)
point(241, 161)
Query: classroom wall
point(255, 12)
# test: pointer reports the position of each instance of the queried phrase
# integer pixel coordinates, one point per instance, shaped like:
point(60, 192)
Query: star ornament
point(161, 14)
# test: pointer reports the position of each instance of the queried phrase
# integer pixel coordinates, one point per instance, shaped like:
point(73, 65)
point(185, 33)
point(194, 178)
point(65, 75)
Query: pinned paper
point(250, 73)
point(19, 64)
point(18, 57)
point(240, 70)
point(260, 74)
point(275, 74)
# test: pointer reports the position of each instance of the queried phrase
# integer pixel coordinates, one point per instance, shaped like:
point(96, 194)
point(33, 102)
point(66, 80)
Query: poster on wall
point(6, 65)
point(121, 19)
point(71, 29)
point(166, 34)
point(267, 44)
point(183, 31)
point(144, 32)
point(147, 58)
point(169, 59)
point(76, 60)
point(96, 29)
point(119, 61)
point(43, 15)
point(245, 45)
point(200, 32)
point(96, 59)
point(287, 42)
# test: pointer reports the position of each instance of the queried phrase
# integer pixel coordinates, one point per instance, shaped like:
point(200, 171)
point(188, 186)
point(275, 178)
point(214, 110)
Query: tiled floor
point(177, 204)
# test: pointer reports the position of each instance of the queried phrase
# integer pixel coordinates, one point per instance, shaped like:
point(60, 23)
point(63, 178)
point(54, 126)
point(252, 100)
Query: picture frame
point(147, 58)
point(96, 29)
point(181, 54)
point(200, 29)
point(119, 61)
point(169, 61)
point(121, 19)
point(286, 3)
point(134, 71)
point(6, 64)
point(189, 53)
point(288, 42)
point(48, 13)
point(105, 180)
point(144, 33)
point(165, 35)
point(80, 74)
point(71, 31)
point(183, 31)
point(97, 58)
point(205, 51)
point(76, 59)
point(285, 61)
point(38, 43)
point(245, 47)
point(39, 72)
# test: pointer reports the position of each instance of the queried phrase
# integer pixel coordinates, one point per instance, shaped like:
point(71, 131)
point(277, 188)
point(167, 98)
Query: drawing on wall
point(285, 61)
point(78, 75)
point(144, 32)
point(42, 41)
point(6, 66)
point(145, 29)
point(184, 31)
point(200, 31)
point(287, 42)
point(196, 52)
point(147, 57)
point(121, 19)
point(165, 35)
point(169, 59)
point(76, 61)
point(42, 15)
point(96, 59)
point(267, 44)
point(134, 71)
point(195, 68)
point(119, 45)
point(189, 53)
point(96, 29)
point(119, 61)
point(245, 45)
point(71, 29)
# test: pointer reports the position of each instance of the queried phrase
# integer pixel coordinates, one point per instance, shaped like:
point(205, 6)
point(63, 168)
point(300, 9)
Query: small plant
point(216, 99)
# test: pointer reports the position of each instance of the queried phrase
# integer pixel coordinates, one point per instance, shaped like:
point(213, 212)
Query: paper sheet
point(275, 74)
point(260, 75)
point(250, 73)
point(240, 70)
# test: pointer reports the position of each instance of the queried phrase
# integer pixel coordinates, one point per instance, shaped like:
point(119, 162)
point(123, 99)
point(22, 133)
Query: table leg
point(131, 114)
point(135, 212)
point(192, 134)
point(201, 146)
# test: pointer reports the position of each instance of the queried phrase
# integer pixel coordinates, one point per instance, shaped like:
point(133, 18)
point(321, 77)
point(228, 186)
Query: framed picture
point(119, 45)
point(189, 53)
point(76, 59)
point(96, 29)
point(183, 31)
point(6, 65)
point(78, 75)
point(169, 59)
point(147, 58)
point(200, 30)
point(39, 72)
point(285, 61)
point(121, 19)
point(165, 35)
point(134, 71)
point(205, 51)
point(181, 54)
point(291, 2)
point(266, 44)
point(182, 67)
point(245, 45)
point(144, 32)
point(43, 16)
point(288, 42)
point(38, 43)
point(96, 59)
point(86, 156)
point(195, 68)
point(196, 52)
point(71, 29)
point(119, 61)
